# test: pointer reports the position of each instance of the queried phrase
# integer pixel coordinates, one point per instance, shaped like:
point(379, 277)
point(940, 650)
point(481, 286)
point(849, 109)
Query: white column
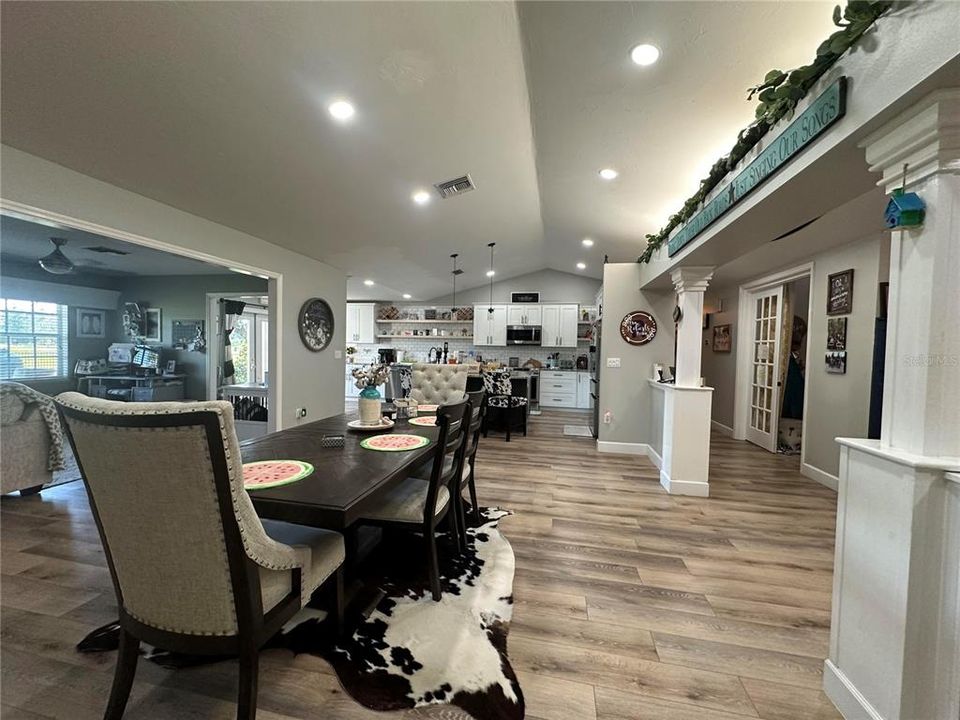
point(895, 636)
point(685, 460)
point(691, 283)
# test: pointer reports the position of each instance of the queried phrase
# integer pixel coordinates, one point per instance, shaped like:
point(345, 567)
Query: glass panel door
point(764, 369)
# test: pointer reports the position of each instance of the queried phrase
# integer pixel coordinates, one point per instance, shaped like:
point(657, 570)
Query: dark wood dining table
point(344, 480)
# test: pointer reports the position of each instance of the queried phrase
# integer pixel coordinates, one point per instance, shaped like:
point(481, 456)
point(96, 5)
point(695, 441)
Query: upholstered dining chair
point(439, 384)
point(194, 569)
point(421, 505)
point(466, 481)
point(505, 410)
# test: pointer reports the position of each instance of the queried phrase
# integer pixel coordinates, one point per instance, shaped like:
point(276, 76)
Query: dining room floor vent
point(455, 187)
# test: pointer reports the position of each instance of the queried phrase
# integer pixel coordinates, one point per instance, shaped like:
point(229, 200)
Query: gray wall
point(553, 285)
point(624, 391)
point(837, 405)
point(183, 298)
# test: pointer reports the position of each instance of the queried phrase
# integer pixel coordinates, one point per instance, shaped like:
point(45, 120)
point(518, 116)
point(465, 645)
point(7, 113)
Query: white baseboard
point(684, 487)
point(622, 448)
point(654, 457)
point(842, 693)
point(721, 428)
point(824, 478)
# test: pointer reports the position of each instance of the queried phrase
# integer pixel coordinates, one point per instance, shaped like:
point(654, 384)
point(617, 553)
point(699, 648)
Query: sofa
point(24, 447)
point(439, 384)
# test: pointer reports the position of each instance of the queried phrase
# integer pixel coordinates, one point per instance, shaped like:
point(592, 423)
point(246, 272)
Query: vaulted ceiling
point(220, 109)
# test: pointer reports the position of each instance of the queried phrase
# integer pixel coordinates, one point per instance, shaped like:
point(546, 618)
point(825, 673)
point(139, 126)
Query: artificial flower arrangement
point(370, 376)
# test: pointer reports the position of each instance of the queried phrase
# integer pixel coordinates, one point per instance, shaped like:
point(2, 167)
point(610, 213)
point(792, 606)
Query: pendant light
point(490, 274)
point(456, 271)
point(56, 263)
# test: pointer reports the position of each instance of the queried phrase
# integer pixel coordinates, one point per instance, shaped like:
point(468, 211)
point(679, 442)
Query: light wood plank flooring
point(630, 604)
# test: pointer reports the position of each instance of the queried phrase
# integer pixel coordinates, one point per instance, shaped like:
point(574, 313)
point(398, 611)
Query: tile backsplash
point(415, 349)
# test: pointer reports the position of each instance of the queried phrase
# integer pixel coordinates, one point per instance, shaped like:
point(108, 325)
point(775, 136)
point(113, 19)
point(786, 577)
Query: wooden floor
point(630, 604)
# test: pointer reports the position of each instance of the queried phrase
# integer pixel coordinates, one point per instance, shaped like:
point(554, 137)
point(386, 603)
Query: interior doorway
point(772, 360)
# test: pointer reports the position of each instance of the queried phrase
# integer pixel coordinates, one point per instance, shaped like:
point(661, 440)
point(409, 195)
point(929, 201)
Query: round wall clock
point(315, 324)
point(638, 327)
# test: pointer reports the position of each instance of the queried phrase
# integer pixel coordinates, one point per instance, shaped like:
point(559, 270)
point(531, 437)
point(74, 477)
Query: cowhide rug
point(412, 651)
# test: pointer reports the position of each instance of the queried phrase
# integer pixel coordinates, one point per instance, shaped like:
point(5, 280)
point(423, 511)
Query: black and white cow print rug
point(412, 651)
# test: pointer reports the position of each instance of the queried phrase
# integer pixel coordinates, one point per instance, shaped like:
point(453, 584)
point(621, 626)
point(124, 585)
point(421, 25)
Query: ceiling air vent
point(457, 186)
point(106, 250)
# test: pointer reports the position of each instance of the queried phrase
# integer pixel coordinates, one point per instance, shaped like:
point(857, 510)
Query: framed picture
point(837, 333)
point(91, 323)
point(836, 362)
point(722, 339)
point(840, 293)
point(152, 325)
point(170, 368)
point(706, 321)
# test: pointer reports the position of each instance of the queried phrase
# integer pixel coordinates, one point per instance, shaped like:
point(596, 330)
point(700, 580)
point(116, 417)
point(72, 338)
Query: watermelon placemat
point(428, 421)
point(394, 442)
point(274, 473)
point(427, 408)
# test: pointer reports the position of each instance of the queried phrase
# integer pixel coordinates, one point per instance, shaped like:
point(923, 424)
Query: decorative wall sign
point(315, 324)
point(837, 334)
point(836, 362)
point(840, 293)
point(722, 338)
point(638, 327)
point(811, 123)
point(91, 323)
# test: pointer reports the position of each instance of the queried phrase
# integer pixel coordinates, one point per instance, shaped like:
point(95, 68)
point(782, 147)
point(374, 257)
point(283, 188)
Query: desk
point(144, 388)
point(344, 479)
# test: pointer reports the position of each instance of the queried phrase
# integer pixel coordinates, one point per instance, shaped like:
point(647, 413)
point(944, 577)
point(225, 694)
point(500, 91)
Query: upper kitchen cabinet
point(523, 314)
point(559, 325)
point(490, 328)
point(361, 323)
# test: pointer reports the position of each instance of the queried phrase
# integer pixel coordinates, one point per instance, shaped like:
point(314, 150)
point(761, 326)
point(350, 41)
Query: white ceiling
point(26, 242)
point(220, 109)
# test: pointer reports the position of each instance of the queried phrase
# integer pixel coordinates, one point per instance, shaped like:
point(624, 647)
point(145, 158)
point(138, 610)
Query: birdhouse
point(904, 210)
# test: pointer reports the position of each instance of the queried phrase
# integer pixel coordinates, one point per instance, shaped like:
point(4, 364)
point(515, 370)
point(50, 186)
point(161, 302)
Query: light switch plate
point(613, 362)
point(337, 354)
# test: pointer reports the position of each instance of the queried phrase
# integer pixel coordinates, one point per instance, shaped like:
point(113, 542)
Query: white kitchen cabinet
point(361, 323)
point(584, 401)
point(559, 325)
point(558, 388)
point(523, 314)
point(490, 328)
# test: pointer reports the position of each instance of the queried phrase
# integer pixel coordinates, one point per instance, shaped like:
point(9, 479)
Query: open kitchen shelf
point(430, 322)
point(428, 337)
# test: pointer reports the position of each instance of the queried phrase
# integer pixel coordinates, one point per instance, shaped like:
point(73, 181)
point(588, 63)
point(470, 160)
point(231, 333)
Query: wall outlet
point(300, 413)
point(607, 417)
point(613, 362)
point(337, 354)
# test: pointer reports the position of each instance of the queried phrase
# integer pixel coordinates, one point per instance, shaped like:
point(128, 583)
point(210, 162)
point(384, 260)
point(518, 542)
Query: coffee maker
point(388, 356)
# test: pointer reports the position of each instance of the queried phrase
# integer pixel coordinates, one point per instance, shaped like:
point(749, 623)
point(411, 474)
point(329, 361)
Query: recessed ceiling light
point(587, 242)
point(490, 273)
point(368, 283)
point(645, 54)
point(407, 296)
point(609, 174)
point(581, 266)
point(341, 110)
point(421, 197)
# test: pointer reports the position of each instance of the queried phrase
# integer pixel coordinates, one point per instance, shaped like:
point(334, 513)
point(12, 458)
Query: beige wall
point(303, 378)
point(624, 391)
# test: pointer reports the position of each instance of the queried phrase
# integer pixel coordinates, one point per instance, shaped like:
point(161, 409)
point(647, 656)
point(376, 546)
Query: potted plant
point(367, 379)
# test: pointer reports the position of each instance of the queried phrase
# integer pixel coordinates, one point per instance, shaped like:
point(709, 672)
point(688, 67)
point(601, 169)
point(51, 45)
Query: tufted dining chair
point(194, 569)
point(440, 384)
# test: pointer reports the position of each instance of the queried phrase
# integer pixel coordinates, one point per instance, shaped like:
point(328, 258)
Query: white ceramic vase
point(370, 404)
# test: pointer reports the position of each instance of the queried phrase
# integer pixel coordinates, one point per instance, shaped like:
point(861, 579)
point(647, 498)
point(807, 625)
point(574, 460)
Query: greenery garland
point(778, 94)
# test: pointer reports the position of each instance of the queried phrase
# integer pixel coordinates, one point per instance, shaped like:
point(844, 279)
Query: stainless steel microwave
point(523, 335)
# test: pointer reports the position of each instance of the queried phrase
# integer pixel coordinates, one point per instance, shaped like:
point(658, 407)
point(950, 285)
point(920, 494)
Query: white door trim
point(744, 320)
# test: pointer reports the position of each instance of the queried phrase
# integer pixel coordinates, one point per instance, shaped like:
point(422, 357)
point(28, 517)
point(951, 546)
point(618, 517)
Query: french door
point(764, 408)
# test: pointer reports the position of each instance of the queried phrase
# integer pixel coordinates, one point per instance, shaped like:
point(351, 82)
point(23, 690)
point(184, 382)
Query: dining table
point(345, 480)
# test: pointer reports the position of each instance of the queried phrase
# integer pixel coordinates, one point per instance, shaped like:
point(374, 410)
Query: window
point(33, 340)
point(248, 344)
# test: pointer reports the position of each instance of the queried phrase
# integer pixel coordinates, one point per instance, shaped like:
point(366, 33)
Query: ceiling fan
point(56, 263)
